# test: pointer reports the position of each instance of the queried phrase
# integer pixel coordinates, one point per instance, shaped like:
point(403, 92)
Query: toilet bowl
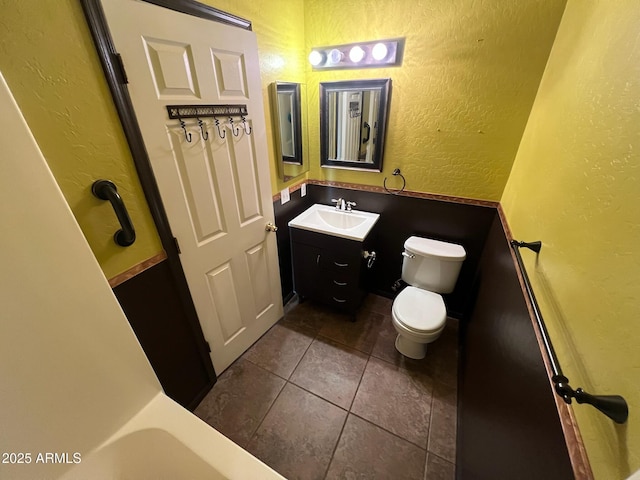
point(419, 314)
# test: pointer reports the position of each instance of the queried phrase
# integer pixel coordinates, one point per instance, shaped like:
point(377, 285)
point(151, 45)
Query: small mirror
point(288, 115)
point(353, 118)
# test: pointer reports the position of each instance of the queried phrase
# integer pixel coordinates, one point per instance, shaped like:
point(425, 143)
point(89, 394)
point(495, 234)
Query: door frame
point(117, 81)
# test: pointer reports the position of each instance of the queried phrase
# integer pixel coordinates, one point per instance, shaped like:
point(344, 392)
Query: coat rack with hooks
point(180, 112)
point(177, 112)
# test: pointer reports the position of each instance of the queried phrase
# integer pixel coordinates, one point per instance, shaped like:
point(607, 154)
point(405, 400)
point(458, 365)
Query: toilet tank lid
point(435, 248)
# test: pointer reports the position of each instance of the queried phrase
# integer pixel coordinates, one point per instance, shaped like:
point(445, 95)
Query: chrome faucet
point(343, 205)
point(340, 203)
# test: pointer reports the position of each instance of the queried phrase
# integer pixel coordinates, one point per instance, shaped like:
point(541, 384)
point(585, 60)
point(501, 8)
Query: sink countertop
point(326, 219)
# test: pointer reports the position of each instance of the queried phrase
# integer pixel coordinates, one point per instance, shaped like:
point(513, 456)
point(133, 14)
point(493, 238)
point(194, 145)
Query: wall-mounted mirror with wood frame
point(288, 110)
point(353, 118)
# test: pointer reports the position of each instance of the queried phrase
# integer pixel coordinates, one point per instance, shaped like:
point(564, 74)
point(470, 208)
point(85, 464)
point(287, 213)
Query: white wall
point(71, 369)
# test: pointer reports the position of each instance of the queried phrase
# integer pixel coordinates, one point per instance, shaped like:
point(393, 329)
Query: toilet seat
point(419, 311)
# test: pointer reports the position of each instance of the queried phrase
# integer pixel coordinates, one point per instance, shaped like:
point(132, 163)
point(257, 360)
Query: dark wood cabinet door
point(327, 269)
point(307, 274)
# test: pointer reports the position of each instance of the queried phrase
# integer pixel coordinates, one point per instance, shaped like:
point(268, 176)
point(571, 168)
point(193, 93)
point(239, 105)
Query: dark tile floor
point(321, 397)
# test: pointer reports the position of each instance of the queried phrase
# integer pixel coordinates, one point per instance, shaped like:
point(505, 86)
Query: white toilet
point(430, 267)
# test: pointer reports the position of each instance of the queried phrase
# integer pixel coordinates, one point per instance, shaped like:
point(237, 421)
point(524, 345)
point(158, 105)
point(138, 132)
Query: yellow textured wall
point(49, 61)
point(461, 99)
point(575, 186)
point(468, 68)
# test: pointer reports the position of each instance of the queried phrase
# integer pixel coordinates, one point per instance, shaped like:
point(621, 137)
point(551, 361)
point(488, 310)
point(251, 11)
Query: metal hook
point(244, 126)
point(203, 133)
point(220, 134)
point(187, 136)
point(236, 131)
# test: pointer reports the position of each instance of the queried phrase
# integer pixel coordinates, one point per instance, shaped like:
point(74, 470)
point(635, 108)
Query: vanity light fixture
point(377, 53)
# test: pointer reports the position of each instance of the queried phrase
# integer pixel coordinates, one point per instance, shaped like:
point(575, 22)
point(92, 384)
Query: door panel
point(258, 264)
point(246, 183)
point(172, 67)
point(229, 71)
point(224, 295)
point(198, 180)
point(215, 186)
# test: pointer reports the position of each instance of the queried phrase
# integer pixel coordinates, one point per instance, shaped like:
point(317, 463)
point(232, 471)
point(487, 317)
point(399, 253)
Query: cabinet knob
point(271, 227)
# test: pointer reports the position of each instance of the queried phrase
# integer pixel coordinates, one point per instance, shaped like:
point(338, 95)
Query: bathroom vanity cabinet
point(329, 269)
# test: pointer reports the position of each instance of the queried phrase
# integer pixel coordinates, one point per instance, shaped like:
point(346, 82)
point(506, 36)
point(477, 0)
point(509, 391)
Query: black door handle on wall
point(106, 190)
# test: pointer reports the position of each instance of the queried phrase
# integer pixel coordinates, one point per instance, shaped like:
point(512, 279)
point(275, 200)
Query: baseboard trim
point(203, 393)
point(406, 193)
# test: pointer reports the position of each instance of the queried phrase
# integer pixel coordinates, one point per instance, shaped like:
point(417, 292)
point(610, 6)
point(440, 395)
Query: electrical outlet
point(284, 196)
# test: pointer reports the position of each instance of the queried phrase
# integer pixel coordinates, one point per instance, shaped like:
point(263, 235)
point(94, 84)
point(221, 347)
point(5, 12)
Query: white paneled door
point(214, 181)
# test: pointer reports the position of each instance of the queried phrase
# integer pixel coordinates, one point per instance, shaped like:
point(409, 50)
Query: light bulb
point(335, 56)
point(379, 51)
point(356, 54)
point(315, 58)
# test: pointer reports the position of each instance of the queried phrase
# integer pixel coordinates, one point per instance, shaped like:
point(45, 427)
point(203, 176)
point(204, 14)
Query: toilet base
point(411, 349)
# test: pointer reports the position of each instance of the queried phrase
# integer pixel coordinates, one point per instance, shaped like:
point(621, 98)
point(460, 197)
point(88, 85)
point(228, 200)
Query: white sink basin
point(354, 225)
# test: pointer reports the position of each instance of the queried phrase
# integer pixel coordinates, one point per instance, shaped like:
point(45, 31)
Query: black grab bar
point(106, 190)
point(613, 406)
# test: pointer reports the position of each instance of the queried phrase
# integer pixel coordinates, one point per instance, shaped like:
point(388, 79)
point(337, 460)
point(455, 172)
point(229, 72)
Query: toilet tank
point(431, 264)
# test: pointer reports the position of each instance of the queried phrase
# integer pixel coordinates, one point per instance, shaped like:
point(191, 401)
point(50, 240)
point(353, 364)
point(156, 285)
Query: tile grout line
point(389, 432)
point(286, 381)
point(317, 396)
point(359, 383)
point(426, 458)
point(441, 458)
point(335, 447)
point(348, 411)
point(255, 430)
point(253, 434)
point(341, 343)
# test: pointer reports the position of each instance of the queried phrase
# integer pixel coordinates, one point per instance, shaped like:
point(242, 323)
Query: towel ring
point(396, 172)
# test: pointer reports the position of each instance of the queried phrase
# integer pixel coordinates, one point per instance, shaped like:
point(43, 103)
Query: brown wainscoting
point(573, 438)
point(174, 346)
point(284, 214)
point(451, 219)
point(508, 419)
